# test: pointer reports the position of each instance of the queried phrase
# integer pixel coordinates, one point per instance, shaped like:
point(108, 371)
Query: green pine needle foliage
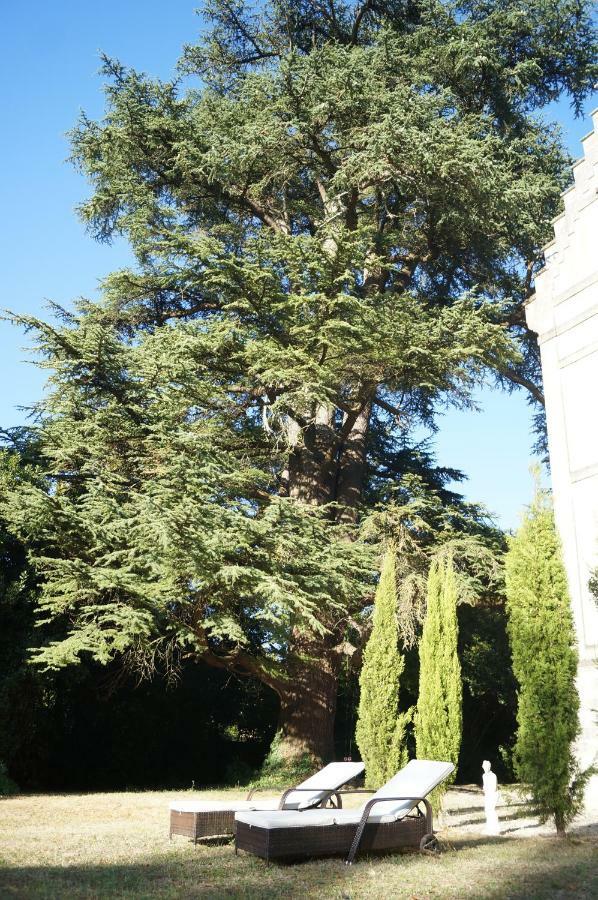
point(438, 719)
point(542, 639)
point(381, 729)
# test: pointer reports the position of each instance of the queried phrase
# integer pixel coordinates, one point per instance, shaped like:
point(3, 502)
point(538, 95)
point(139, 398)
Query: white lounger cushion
point(223, 805)
point(417, 779)
point(283, 819)
point(332, 776)
point(353, 816)
point(291, 819)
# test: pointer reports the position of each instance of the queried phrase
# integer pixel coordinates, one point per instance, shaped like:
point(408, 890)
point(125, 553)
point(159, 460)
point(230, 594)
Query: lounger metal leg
point(356, 841)
point(366, 812)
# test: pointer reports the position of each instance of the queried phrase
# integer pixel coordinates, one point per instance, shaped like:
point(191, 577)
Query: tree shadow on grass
point(188, 879)
point(512, 817)
point(465, 810)
point(466, 789)
point(554, 880)
point(512, 869)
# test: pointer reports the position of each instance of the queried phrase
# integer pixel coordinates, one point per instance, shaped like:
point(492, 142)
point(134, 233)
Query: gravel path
point(464, 811)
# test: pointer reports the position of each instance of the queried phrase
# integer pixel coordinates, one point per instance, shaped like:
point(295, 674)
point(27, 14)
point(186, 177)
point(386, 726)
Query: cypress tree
point(380, 732)
point(545, 663)
point(439, 706)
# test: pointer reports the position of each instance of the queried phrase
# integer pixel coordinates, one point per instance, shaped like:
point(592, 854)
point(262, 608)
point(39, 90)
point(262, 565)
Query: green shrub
point(278, 771)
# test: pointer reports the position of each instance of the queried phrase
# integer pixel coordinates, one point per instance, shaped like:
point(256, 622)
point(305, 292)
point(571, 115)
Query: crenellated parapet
point(571, 259)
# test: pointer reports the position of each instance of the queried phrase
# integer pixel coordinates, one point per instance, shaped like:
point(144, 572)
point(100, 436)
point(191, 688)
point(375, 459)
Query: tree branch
point(524, 382)
point(393, 410)
point(361, 12)
point(238, 661)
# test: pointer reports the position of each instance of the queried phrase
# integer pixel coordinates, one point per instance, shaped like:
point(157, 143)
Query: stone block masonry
point(564, 314)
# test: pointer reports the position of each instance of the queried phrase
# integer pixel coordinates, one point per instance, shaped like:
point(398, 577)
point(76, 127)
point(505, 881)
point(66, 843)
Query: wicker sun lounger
point(392, 819)
point(198, 819)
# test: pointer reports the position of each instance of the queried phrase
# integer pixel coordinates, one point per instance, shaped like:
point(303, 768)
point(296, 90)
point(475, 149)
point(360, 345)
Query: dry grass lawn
point(116, 845)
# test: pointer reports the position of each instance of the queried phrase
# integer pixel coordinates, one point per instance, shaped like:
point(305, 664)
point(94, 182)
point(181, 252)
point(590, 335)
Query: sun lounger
point(197, 819)
point(398, 815)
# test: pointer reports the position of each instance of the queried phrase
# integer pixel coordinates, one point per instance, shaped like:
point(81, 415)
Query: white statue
point(490, 799)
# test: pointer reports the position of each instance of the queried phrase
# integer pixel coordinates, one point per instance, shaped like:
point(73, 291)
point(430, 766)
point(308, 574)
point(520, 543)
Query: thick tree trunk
point(310, 468)
point(352, 466)
point(323, 466)
point(307, 710)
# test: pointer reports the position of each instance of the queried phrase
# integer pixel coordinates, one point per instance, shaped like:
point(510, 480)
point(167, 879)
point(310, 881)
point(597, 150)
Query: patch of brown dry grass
point(116, 845)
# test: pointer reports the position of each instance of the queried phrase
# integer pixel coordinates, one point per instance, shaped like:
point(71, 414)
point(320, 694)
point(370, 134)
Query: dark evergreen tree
point(23, 699)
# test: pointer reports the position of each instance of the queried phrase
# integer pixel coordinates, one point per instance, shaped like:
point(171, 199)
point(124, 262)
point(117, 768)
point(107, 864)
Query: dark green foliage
point(489, 691)
point(380, 732)
point(439, 716)
point(95, 727)
point(545, 664)
point(23, 695)
point(335, 232)
point(7, 785)
point(107, 732)
point(100, 730)
point(345, 746)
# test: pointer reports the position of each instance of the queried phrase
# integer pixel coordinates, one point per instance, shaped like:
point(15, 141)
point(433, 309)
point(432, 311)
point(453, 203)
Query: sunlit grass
point(116, 845)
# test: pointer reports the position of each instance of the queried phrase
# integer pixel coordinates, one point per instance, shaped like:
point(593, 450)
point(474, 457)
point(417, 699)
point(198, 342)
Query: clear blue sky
point(48, 65)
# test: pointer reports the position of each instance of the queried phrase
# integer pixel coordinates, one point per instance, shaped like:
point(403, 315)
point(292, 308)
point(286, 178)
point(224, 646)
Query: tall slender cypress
point(380, 731)
point(438, 719)
point(545, 663)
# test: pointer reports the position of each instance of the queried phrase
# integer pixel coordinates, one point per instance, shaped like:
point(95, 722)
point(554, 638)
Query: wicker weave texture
point(197, 825)
point(329, 840)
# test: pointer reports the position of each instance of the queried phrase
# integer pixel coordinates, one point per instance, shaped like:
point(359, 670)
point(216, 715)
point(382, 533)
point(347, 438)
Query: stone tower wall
point(564, 314)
